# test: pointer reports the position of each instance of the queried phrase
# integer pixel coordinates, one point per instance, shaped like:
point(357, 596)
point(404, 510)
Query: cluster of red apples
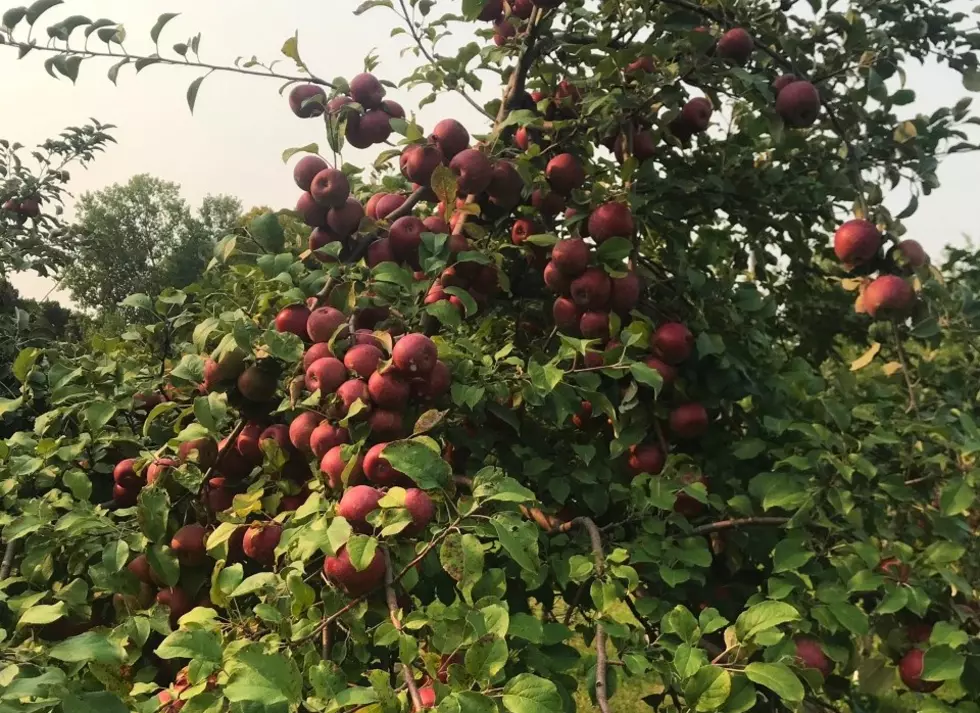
point(358, 383)
point(857, 244)
point(22, 208)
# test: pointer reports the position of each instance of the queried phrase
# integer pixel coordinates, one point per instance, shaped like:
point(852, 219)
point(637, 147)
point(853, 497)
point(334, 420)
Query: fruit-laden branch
point(601, 694)
point(516, 84)
point(92, 54)
point(715, 17)
point(327, 621)
point(229, 444)
point(392, 600)
point(8, 559)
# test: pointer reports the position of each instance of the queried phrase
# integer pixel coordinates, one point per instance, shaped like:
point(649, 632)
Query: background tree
point(616, 401)
point(33, 189)
point(141, 237)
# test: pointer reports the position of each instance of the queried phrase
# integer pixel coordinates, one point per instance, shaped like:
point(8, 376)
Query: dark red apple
point(888, 296)
point(856, 242)
point(306, 169)
point(307, 100)
point(672, 342)
point(689, 420)
point(367, 91)
point(611, 220)
point(798, 104)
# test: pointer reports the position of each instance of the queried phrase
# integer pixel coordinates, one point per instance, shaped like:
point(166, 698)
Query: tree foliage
point(142, 236)
point(730, 467)
point(33, 233)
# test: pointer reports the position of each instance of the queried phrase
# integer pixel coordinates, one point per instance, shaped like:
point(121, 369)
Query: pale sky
point(232, 143)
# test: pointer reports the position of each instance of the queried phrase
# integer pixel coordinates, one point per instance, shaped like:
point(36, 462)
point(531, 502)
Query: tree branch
point(601, 662)
point(904, 360)
point(392, 600)
point(736, 523)
point(8, 559)
point(90, 54)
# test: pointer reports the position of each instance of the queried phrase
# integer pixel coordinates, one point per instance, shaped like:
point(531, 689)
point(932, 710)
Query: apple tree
point(636, 395)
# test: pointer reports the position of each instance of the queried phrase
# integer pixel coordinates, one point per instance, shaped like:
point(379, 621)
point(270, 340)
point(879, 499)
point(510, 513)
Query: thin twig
point(647, 626)
point(326, 641)
point(229, 444)
point(576, 600)
point(89, 54)
point(738, 522)
point(904, 359)
point(392, 600)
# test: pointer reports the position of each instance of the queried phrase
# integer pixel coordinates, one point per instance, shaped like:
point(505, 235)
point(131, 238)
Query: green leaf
point(256, 582)
point(192, 89)
point(517, 541)
point(262, 677)
point(163, 561)
point(486, 658)
point(778, 678)
point(647, 376)
point(894, 600)
point(526, 693)
point(42, 614)
point(612, 252)
point(971, 80)
point(97, 414)
point(13, 16)
point(138, 301)
point(115, 556)
point(943, 552)
point(956, 497)
point(688, 660)
point(267, 232)
point(850, 617)
point(762, 616)
point(941, 663)
point(191, 644)
point(419, 462)
point(90, 646)
point(490, 484)
point(94, 702)
point(152, 509)
point(24, 362)
point(160, 24)
point(681, 622)
point(708, 689)
point(39, 8)
point(353, 697)
point(466, 702)
point(790, 554)
point(361, 550)
point(462, 558)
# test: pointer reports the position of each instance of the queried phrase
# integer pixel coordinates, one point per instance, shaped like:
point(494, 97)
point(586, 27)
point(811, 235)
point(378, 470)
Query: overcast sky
point(232, 144)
